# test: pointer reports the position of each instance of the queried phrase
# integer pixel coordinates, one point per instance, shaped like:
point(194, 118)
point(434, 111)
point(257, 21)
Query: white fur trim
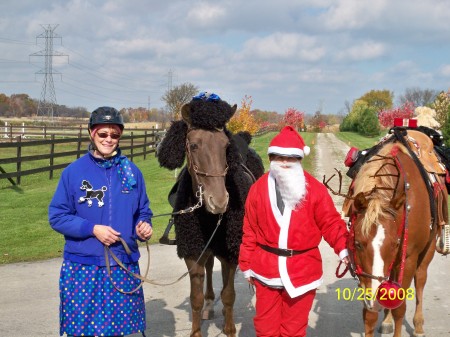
point(306, 150)
point(286, 151)
point(275, 282)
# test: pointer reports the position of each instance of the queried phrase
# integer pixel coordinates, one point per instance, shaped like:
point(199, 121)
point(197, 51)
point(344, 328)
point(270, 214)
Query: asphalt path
point(29, 300)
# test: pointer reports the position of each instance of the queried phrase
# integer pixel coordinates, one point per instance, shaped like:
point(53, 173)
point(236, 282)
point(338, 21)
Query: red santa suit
point(301, 230)
point(285, 286)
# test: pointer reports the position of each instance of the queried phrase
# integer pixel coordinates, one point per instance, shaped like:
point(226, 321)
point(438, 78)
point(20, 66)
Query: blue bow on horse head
point(206, 96)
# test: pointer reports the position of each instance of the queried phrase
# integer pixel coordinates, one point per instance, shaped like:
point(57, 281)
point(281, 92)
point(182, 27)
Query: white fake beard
point(291, 182)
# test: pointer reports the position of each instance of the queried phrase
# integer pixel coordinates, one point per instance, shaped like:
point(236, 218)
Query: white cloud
point(364, 51)
point(353, 14)
point(445, 70)
point(283, 53)
point(205, 14)
point(282, 46)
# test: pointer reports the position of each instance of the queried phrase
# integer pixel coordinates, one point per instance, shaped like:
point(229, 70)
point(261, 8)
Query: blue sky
point(306, 54)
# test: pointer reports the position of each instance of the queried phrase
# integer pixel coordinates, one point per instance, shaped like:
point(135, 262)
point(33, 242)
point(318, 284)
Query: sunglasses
point(105, 135)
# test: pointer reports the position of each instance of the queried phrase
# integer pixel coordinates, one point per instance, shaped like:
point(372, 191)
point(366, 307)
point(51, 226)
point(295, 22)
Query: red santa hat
point(288, 143)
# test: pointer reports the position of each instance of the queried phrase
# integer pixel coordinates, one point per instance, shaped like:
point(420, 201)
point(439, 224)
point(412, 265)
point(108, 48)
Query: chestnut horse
point(393, 223)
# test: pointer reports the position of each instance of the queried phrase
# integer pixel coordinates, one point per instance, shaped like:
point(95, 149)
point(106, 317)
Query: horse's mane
point(369, 178)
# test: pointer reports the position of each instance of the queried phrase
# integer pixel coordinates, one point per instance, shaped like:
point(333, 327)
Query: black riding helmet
point(106, 115)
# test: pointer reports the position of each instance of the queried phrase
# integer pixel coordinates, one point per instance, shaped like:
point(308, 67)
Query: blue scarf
point(123, 166)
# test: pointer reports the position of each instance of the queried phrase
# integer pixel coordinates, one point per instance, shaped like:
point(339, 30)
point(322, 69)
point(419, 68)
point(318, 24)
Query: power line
point(47, 103)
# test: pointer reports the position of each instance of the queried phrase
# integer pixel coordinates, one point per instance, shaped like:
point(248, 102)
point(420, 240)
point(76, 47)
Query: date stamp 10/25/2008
point(361, 294)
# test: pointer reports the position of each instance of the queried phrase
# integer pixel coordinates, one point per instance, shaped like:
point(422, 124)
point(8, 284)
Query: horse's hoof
point(419, 334)
point(386, 328)
point(208, 314)
point(230, 334)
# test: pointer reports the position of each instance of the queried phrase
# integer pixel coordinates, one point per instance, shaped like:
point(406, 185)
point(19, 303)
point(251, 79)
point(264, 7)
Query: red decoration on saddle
point(405, 122)
point(351, 157)
point(389, 294)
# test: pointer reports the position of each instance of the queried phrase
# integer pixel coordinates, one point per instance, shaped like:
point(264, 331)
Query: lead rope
point(108, 252)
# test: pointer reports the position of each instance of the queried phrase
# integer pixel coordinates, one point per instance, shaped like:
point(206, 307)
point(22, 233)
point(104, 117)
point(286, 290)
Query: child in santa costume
point(287, 213)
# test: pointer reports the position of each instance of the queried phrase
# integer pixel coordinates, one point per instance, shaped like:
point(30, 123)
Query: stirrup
point(443, 241)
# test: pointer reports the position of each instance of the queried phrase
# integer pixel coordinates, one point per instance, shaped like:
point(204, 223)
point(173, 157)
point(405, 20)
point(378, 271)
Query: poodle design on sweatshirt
point(92, 194)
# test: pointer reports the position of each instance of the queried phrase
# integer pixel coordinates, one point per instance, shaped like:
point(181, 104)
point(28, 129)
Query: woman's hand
point(144, 230)
point(106, 234)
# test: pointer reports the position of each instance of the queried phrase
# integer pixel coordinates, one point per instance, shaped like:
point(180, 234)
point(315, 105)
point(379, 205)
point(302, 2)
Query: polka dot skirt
point(91, 306)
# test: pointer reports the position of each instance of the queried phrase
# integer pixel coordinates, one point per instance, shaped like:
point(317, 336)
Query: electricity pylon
point(47, 103)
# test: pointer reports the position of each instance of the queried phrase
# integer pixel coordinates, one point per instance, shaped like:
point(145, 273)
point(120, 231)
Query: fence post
point(10, 132)
point(52, 158)
point(79, 143)
point(145, 144)
point(45, 131)
point(132, 145)
point(5, 132)
point(19, 158)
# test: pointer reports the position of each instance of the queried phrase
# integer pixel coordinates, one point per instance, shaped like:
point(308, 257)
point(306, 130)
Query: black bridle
point(193, 167)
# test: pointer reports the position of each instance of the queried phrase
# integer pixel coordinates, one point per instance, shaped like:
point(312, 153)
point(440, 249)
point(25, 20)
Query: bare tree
point(177, 97)
point(419, 97)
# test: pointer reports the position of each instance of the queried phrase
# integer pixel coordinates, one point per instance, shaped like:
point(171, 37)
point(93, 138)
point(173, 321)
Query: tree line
point(375, 110)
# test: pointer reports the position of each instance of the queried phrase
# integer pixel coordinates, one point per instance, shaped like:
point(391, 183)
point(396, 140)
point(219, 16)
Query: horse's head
point(376, 225)
point(206, 150)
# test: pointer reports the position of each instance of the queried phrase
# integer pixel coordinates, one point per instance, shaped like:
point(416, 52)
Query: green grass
point(356, 140)
point(26, 234)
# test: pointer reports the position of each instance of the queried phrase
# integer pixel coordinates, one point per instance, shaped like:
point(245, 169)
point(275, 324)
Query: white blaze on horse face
point(378, 263)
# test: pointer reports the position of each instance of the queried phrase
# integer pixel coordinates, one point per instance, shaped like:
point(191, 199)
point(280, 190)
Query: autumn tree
point(294, 118)
point(378, 99)
point(243, 119)
point(318, 122)
point(4, 104)
point(137, 114)
point(22, 105)
point(177, 97)
point(386, 117)
point(442, 107)
point(266, 117)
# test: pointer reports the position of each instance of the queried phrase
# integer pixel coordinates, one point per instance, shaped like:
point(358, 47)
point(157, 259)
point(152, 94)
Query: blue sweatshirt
point(88, 194)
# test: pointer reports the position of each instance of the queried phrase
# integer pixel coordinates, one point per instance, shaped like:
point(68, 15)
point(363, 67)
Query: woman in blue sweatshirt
point(100, 198)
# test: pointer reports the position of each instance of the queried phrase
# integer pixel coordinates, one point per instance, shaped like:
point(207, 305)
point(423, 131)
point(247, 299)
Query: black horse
point(216, 181)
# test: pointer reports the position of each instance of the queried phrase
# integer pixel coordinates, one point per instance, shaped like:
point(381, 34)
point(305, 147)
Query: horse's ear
point(171, 151)
point(398, 201)
point(360, 201)
point(234, 108)
point(186, 113)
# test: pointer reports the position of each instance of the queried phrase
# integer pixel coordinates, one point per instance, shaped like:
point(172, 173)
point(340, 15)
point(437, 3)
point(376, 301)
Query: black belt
point(282, 251)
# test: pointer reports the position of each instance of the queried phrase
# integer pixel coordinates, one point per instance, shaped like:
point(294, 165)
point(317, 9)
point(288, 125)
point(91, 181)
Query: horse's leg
point(387, 326)
point(420, 279)
point(208, 309)
point(228, 296)
point(410, 269)
point(197, 277)
point(370, 320)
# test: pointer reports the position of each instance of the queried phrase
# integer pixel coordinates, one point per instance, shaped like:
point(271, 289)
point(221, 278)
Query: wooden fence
point(133, 144)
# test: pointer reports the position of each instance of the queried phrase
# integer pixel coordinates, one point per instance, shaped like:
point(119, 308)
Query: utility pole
point(47, 103)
